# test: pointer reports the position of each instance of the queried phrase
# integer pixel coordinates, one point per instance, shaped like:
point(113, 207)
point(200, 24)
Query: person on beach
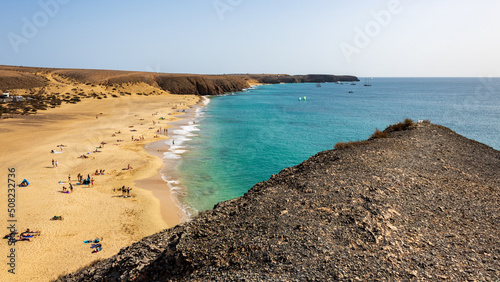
point(71, 187)
point(92, 182)
point(69, 178)
point(128, 191)
point(56, 163)
point(53, 163)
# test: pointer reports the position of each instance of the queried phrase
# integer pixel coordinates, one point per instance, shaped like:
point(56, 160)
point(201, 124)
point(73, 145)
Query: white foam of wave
point(187, 129)
point(178, 140)
point(176, 191)
point(171, 156)
point(205, 101)
point(175, 151)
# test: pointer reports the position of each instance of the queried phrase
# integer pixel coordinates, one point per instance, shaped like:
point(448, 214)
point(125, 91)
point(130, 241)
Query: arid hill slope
point(422, 204)
point(44, 88)
point(173, 83)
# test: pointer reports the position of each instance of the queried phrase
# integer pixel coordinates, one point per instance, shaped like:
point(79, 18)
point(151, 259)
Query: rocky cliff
point(310, 78)
point(421, 203)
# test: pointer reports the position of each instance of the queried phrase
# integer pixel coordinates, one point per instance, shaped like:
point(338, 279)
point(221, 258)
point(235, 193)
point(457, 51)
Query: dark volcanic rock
point(310, 78)
point(200, 84)
point(422, 204)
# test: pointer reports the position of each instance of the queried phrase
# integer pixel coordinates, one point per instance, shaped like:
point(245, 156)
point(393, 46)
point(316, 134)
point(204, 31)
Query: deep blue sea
point(239, 140)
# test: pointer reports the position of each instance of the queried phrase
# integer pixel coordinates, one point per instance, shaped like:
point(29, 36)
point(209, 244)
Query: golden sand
point(88, 212)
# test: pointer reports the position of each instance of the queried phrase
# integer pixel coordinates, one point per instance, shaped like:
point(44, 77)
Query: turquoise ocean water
point(236, 141)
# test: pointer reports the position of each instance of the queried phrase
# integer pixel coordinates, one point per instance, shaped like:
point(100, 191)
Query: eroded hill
point(43, 88)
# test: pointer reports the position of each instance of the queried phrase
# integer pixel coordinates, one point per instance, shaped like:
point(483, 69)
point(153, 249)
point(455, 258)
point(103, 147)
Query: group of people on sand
point(24, 236)
point(65, 189)
point(138, 139)
point(125, 191)
point(81, 181)
point(162, 131)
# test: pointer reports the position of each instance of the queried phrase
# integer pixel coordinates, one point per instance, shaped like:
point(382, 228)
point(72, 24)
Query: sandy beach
point(90, 211)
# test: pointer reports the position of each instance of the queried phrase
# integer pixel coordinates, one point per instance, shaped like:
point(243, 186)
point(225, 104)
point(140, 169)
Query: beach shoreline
point(97, 135)
point(166, 184)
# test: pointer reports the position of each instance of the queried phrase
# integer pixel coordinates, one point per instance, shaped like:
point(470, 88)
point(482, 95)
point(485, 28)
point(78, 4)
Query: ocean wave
point(179, 134)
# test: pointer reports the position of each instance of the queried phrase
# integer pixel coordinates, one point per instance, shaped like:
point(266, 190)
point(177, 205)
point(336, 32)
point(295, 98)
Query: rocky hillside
point(419, 202)
point(12, 77)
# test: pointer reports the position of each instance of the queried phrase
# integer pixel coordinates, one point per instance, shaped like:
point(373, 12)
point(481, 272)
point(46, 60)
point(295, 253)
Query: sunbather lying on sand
point(29, 232)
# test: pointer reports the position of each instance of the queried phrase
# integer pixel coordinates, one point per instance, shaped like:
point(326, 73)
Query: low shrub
point(401, 125)
point(345, 145)
point(379, 134)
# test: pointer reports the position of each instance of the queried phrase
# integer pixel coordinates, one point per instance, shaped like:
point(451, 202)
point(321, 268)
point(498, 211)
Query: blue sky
point(364, 38)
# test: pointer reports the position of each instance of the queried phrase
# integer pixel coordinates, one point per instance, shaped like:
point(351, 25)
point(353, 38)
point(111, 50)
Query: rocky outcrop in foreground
point(422, 204)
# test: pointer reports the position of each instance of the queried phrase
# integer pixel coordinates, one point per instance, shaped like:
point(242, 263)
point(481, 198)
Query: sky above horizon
point(364, 38)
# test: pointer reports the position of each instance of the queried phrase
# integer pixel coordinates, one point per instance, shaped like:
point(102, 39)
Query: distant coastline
point(43, 88)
